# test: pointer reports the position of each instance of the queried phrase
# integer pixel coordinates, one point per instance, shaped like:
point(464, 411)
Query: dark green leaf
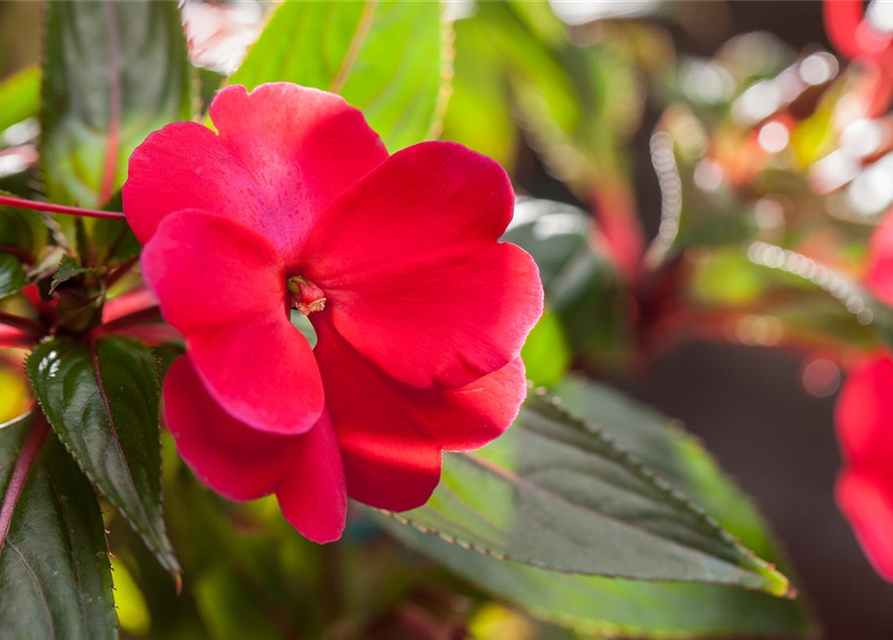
point(22, 236)
point(22, 230)
point(386, 58)
point(596, 605)
point(165, 354)
point(20, 97)
point(12, 275)
point(113, 73)
point(555, 494)
point(69, 268)
point(672, 453)
point(102, 400)
point(613, 607)
point(55, 580)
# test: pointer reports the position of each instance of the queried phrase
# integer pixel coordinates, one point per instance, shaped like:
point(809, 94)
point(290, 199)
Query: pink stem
point(25, 461)
point(49, 207)
point(18, 322)
point(142, 316)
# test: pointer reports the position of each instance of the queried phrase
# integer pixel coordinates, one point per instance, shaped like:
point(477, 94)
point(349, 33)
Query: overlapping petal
point(223, 286)
point(391, 435)
point(313, 497)
point(283, 153)
point(237, 461)
point(868, 505)
point(411, 253)
point(864, 414)
point(241, 463)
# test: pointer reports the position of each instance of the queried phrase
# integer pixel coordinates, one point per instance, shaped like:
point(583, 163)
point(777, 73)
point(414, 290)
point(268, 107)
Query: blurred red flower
point(864, 419)
point(865, 429)
point(857, 39)
point(419, 311)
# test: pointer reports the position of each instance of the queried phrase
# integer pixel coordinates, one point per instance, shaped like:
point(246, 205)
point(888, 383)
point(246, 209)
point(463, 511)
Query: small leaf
point(20, 97)
point(113, 73)
point(102, 400)
point(69, 268)
point(557, 495)
point(55, 580)
point(386, 58)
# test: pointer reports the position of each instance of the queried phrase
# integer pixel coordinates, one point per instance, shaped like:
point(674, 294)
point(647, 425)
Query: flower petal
point(235, 460)
point(223, 286)
point(864, 413)
point(242, 463)
point(880, 261)
point(411, 254)
point(283, 153)
point(391, 434)
point(868, 505)
point(472, 416)
point(313, 497)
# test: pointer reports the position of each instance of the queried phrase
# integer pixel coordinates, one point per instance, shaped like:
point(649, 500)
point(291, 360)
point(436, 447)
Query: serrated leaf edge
point(775, 583)
point(172, 566)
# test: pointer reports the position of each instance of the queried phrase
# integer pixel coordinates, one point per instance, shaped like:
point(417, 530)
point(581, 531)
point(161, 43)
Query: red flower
point(864, 419)
point(865, 429)
point(419, 311)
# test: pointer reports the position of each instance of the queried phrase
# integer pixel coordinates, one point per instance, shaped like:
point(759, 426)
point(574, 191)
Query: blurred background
point(686, 127)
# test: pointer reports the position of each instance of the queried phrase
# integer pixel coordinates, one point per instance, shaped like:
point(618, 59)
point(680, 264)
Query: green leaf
point(676, 456)
point(20, 97)
point(22, 235)
point(614, 607)
point(22, 230)
point(546, 353)
point(102, 400)
point(55, 580)
point(610, 606)
point(12, 275)
point(113, 73)
point(557, 495)
point(69, 268)
point(386, 58)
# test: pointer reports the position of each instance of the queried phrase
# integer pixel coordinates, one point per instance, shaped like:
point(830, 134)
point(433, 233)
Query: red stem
point(142, 316)
point(25, 324)
point(27, 455)
point(23, 256)
point(49, 207)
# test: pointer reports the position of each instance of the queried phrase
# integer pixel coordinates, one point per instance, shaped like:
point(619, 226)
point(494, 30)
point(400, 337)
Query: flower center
point(307, 296)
